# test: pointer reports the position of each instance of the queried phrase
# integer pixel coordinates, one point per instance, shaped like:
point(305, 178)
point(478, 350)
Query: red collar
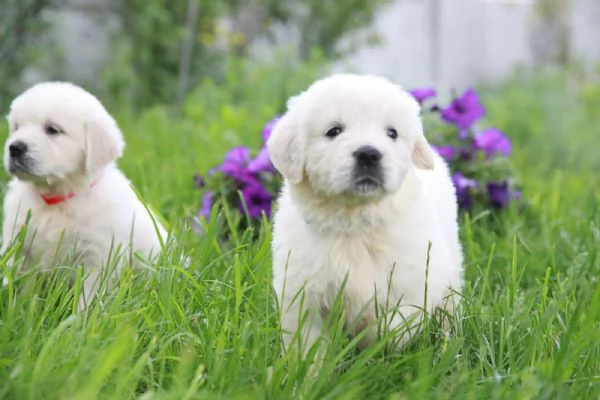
point(54, 200)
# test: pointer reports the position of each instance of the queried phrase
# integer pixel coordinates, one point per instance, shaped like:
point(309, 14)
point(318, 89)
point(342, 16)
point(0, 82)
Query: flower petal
point(238, 156)
point(256, 199)
point(499, 194)
point(463, 186)
point(262, 162)
point(492, 141)
point(464, 111)
point(422, 94)
point(207, 203)
point(446, 152)
point(236, 164)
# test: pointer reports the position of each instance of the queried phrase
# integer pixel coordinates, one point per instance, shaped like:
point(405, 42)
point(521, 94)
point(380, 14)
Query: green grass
point(528, 329)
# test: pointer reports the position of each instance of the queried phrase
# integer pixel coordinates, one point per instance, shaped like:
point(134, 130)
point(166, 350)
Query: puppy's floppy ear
point(286, 148)
point(103, 142)
point(422, 156)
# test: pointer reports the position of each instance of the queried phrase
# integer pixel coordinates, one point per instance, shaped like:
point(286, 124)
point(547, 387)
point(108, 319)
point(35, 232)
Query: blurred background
point(152, 51)
point(213, 72)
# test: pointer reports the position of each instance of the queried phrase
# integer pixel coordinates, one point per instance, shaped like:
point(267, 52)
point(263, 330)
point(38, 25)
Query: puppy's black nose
point(367, 155)
point(17, 149)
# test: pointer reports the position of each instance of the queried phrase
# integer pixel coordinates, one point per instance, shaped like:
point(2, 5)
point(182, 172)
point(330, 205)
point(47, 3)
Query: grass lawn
point(529, 327)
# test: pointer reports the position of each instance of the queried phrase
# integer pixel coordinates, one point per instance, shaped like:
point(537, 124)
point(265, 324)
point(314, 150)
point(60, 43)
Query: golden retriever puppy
point(364, 197)
point(61, 153)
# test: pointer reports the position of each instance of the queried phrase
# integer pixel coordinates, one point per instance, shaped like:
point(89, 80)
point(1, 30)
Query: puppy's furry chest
point(365, 266)
point(372, 275)
point(53, 235)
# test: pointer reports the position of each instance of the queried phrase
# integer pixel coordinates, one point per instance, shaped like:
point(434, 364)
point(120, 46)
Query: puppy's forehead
point(54, 102)
point(359, 99)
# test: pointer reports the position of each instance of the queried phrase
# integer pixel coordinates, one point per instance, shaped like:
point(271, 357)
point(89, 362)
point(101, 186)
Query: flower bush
point(241, 181)
point(478, 159)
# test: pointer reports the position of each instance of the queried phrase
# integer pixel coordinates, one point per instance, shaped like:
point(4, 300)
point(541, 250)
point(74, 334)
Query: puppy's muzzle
point(367, 173)
point(17, 149)
point(19, 160)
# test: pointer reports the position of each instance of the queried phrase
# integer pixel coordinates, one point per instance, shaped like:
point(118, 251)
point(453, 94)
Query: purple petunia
point(446, 152)
point(499, 193)
point(464, 111)
point(262, 162)
point(423, 94)
point(239, 166)
point(256, 199)
point(235, 164)
point(244, 170)
point(237, 156)
point(207, 203)
point(266, 133)
point(463, 186)
point(492, 141)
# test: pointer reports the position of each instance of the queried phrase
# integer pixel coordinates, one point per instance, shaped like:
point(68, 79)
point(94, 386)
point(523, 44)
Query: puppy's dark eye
point(392, 134)
point(52, 129)
point(334, 131)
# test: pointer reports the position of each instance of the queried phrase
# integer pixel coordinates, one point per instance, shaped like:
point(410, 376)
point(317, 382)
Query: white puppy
point(364, 195)
point(61, 152)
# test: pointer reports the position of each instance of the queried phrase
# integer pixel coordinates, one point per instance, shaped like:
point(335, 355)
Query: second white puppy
point(364, 195)
point(61, 153)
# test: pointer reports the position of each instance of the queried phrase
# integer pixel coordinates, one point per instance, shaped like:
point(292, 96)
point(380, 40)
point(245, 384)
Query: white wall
point(480, 41)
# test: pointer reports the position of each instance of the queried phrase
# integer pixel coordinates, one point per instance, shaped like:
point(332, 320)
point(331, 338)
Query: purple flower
point(213, 171)
point(236, 163)
point(262, 162)
point(269, 128)
point(198, 181)
point(492, 141)
point(464, 111)
point(463, 186)
point(207, 202)
point(465, 154)
point(447, 152)
point(499, 194)
point(238, 156)
point(256, 199)
point(423, 94)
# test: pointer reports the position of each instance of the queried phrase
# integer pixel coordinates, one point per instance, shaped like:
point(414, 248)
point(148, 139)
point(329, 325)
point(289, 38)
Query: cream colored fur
point(104, 215)
point(325, 231)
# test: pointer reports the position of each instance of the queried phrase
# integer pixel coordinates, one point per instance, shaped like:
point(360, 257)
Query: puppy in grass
point(367, 212)
point(61, 153)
